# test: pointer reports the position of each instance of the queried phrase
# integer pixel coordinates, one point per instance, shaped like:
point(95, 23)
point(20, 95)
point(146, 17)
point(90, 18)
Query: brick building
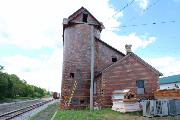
point(113, 70)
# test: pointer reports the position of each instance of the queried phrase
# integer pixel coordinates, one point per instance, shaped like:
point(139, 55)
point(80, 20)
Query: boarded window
point(114, 59)
point(71, 75)
point(85, 17)
point(74, 101)
point(140, 86)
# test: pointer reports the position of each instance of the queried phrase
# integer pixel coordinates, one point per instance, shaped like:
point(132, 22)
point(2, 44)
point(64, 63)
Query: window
point(85, 16)
point(114, 59)
point(74, 101)
point(71, 75)
point(82, 101)
point(140, 86)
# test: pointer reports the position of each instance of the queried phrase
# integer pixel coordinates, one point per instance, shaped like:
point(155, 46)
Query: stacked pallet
point(124, 101)
point(167, 94)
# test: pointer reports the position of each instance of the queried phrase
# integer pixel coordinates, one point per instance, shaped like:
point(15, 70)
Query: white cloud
point(33, 24)
point(143, 4)
point(167, 65)
point(44, 72)
point(119, 42)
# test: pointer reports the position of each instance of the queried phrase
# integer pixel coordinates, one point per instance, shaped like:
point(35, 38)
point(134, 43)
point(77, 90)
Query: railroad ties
point(16, 113)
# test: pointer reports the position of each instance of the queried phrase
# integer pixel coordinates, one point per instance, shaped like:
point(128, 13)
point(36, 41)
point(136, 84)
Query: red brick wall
point(123, 76)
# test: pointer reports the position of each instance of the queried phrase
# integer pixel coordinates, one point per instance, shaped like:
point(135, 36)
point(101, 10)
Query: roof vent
point(128, 48)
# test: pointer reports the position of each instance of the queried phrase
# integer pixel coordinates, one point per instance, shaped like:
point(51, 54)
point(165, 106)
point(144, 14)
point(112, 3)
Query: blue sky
point(167, 34)
point(31, 34)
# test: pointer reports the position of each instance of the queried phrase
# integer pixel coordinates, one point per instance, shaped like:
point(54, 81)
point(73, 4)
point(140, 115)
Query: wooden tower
point(79, 30)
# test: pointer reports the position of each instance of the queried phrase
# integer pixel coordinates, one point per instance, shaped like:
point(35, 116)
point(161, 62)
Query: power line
point(122, 9)
point(145, 10)
point(145, 24)
point(151, 5)
point(127, 5)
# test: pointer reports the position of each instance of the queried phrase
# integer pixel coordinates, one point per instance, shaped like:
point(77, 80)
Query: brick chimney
point(128, 48)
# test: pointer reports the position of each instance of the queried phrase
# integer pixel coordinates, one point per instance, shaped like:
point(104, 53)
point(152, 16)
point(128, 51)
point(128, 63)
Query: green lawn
point(105, 114)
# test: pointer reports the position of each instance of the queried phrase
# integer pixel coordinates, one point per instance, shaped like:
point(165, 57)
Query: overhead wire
point(145, 10)
point(122, 9)
point(144, 24)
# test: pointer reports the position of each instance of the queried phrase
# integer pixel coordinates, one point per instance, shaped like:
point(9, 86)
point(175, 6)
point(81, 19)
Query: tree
point(10, 89)
point(3, 84)
point(11, 86)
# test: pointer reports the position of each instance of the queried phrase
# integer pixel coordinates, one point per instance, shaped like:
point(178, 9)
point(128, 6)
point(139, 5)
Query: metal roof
point(170, 79)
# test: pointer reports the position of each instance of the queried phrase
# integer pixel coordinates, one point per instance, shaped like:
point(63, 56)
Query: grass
point(104, 114)
point(47, 113)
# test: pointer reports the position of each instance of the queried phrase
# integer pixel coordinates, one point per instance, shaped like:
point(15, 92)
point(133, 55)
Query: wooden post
point(92, 67)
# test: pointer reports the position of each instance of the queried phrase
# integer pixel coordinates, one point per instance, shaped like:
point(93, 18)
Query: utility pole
point(92, 67)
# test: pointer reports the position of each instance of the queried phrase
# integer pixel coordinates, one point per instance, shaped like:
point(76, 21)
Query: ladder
point(72, 92)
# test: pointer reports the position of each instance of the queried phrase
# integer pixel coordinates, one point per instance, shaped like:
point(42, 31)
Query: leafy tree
point(3, 85)
point(10, 89)
point(11, 86)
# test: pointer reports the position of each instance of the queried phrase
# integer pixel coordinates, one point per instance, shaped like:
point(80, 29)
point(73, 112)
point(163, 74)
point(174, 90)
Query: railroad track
point(15, 113)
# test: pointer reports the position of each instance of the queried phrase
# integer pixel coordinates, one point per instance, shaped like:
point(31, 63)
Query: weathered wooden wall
point(76, 59)
point(104, 54)
point(123, 76)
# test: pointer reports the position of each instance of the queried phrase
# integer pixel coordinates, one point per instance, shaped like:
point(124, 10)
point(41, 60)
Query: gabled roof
point(136, 57)
point(82, 10)
point(109, 46)
point(69, 21)
point(170, 79)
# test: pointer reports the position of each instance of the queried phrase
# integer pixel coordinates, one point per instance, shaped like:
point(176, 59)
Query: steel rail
point(15, 113)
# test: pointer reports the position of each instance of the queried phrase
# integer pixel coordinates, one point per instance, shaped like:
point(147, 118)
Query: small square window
point(85, 16)
point(114, 59)
point(71, 75)
point(82, 102)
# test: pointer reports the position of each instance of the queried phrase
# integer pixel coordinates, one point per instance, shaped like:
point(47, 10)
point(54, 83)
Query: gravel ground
point(29, 114)
point(7, 107)
point(47, 113)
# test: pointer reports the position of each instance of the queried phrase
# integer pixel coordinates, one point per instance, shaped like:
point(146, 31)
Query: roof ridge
point(137, 57)
point(108, 66)
point(109, 46)
point(147, 64)
point(84, 9)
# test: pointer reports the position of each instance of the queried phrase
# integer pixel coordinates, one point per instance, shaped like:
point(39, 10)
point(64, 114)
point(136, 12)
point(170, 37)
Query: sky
point(31, 34)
